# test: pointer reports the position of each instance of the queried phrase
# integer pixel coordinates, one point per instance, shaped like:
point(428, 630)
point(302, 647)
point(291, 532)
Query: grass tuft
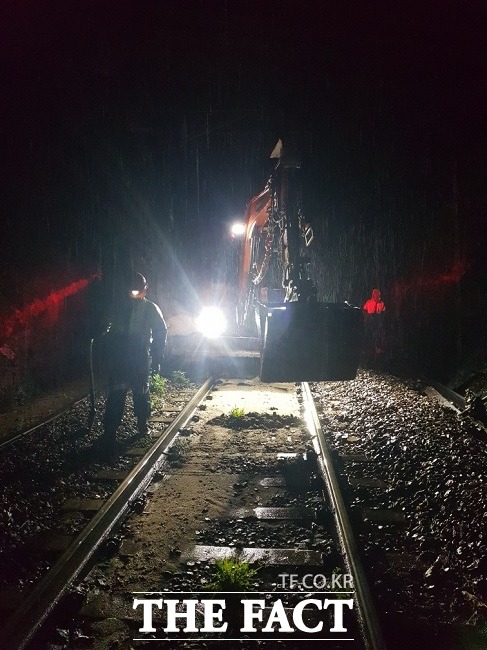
point(232, 575)
point(178, 379)
point(237, 412)
point(157, 386)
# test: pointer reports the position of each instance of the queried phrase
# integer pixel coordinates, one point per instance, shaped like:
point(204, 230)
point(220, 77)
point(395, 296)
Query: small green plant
point(178, 379)
point(157, 386)
point(237, 412)
point(232, 575)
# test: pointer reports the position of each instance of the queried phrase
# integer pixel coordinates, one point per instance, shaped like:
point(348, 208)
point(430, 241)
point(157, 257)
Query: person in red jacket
point(374, 304)
point(374, 310)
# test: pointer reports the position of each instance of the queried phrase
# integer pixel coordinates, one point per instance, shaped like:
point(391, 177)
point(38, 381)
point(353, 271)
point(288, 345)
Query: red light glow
point(49, 305)
point(432, 282)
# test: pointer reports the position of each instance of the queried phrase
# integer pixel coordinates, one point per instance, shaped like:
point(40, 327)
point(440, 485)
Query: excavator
point(301, 339)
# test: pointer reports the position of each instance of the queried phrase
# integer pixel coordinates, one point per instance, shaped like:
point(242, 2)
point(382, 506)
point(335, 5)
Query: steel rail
point(450, 395)
point(366, 609)
point(54, 416)
point(25, 622)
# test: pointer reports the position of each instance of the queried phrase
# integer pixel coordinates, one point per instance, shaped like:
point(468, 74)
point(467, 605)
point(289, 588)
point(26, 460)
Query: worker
point(374, 304)
point(137, 331)
point(374, 309)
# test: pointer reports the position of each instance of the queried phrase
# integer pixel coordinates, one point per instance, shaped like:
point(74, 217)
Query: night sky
point(135, 132)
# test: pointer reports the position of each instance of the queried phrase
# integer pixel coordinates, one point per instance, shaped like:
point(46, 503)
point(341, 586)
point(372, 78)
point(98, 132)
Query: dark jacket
point(137, 326)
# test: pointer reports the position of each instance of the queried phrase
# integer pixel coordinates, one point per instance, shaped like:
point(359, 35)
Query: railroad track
point(24, 624)
point(213, 543)
point(434, 389)
point(410, 468)
point(12, 438)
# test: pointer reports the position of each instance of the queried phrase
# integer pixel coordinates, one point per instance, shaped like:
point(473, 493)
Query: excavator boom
point(301, 339)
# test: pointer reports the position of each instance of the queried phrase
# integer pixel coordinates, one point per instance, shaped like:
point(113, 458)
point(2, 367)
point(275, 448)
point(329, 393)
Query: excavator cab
point(302, 339)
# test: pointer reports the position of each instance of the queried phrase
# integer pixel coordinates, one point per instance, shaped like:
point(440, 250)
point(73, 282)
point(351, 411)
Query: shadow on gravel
point(77, 458)
point(91, 420)
point(97, 451)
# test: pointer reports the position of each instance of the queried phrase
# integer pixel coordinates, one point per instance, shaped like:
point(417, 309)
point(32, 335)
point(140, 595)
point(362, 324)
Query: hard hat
point(138, 284)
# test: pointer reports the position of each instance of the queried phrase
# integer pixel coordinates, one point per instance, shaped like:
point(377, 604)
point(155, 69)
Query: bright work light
point(238, 229)
point(211, 322)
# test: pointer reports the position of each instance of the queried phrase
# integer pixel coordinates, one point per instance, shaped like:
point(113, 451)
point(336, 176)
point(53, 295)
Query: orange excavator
point(301, 338)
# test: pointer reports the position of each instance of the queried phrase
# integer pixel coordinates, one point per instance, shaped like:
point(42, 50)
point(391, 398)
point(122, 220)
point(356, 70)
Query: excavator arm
point(301, 339)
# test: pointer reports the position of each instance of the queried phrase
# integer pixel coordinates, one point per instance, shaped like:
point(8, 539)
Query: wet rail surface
point(23, 433)
point(23, 624)
point(276, 477)
point(409, 462)
point(291, 468)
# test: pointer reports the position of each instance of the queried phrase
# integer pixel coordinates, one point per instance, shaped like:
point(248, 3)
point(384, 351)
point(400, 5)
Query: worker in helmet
point(374, 309)
point(137, 331)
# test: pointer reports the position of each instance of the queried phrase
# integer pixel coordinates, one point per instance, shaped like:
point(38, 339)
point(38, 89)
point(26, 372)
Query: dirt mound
point(254, 420)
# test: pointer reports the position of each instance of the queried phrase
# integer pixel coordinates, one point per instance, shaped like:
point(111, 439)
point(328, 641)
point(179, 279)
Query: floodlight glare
point(238, 229)
point(211, 322)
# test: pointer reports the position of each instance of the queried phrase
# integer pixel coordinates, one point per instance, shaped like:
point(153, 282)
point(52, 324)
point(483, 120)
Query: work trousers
point(128, 370)
point(374, 339)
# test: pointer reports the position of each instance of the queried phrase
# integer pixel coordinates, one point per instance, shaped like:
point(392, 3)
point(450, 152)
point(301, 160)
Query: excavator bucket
point(311, 342)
